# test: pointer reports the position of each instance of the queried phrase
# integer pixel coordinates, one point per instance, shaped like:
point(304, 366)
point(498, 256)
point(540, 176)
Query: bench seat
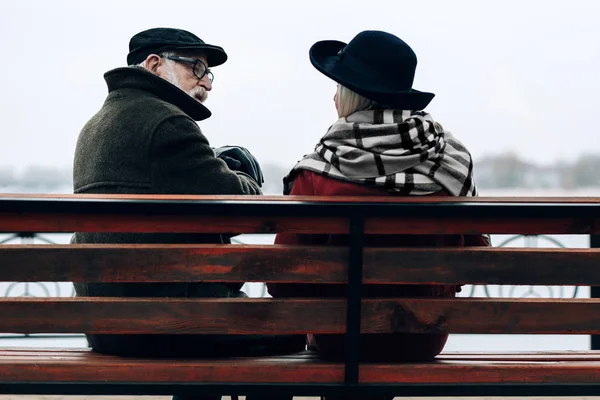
point(85, 366)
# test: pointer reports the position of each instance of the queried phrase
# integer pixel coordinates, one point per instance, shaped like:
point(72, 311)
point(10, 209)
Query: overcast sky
point(508, 75)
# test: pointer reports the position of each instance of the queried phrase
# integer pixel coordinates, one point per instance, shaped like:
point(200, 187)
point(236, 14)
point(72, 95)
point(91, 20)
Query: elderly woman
point(383, 144)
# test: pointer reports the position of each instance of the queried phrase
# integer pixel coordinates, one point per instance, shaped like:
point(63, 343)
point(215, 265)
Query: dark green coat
point(144, 140)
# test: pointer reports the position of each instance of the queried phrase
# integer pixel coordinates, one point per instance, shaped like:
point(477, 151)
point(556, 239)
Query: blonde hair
point(349, 102)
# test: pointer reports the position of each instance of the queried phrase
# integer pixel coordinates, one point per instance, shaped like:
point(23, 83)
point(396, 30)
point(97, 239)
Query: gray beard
point(172, 78)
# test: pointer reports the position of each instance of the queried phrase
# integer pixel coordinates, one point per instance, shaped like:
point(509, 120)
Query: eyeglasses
point(200, 69)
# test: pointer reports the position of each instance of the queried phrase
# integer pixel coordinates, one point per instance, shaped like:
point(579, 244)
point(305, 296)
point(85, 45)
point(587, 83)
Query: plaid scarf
point(403, 151)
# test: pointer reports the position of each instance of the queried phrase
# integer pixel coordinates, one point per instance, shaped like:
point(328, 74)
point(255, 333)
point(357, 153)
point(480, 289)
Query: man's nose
point(205, 83)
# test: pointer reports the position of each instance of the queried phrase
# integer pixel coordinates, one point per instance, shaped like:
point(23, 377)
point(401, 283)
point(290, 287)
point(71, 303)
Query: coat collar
point(139, 78)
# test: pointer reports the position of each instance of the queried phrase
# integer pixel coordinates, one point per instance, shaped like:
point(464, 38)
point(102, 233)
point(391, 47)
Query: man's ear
point(152, 63)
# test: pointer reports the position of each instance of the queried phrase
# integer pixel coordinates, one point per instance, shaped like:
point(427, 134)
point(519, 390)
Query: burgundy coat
point(393, 347)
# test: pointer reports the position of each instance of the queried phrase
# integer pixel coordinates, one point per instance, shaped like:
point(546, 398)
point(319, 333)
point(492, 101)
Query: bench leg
point(595, 292)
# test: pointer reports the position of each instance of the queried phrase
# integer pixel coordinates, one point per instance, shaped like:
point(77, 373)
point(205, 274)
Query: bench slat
point(287, 316)
point(86, 366)
point(576, 355)
point(155, 223)
point(296, 264)
point(247, 214)
point(322, 199)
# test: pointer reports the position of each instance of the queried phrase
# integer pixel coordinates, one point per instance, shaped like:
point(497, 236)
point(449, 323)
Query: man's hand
point(240, 159)
point(232, 163)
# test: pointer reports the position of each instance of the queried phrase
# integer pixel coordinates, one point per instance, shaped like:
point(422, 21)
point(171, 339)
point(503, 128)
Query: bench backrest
point(353, 265)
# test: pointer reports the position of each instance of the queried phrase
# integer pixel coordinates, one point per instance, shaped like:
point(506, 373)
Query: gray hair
point(350, 102)
point(162, 55)
point(170, 74)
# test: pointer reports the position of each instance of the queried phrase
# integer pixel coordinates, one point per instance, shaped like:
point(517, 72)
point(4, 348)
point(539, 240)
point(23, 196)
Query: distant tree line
point(510, 170)
point(39, 179)
point(35, 178)
point(507, 170)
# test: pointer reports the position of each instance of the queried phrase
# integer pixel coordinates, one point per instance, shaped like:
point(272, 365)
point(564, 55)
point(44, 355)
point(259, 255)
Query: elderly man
point(144, 140)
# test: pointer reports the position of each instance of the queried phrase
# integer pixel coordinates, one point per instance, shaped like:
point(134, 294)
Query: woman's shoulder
point(312, 183)
point(303, 183)
point(323, 185)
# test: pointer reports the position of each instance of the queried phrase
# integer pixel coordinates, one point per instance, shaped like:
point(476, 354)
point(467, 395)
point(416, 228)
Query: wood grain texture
point(524, 356)
point(573, 355)
point(172, 263)
point(326, 199)
point(156, 223)
point(81, 365)
point(297, 264)
point(483, 371)
point(495, 266)
point(299, 316)
point(97, 213)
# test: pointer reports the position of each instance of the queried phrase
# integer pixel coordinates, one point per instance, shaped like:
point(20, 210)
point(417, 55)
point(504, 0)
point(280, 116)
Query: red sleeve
point(303, 186)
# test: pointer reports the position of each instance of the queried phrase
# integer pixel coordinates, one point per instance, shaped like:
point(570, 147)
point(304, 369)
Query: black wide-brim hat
point(157, 40)
point(377, 65)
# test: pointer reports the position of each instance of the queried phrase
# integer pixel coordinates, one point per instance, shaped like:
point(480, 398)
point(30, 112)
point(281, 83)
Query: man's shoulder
point(141, 103)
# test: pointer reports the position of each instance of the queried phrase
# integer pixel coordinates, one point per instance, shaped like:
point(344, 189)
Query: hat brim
point(324, 57)
point(215, 55)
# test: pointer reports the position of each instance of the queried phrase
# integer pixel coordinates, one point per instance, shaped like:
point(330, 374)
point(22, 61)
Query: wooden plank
point(82, 354)
point(491, 266)
point(529, 356)
point(483, 372)
point(326, 199)
point(297, 264)
point(498, 225)
point(92, 367)
point(299, 316)
point(246, 214)
point(515, 356)
point(157, 223)
point(172, 263)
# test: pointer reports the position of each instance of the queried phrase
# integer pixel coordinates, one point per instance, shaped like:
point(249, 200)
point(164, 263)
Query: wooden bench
point(81, 371)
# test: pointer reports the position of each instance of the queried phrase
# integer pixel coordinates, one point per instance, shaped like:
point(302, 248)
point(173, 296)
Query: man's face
point(181, 74)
